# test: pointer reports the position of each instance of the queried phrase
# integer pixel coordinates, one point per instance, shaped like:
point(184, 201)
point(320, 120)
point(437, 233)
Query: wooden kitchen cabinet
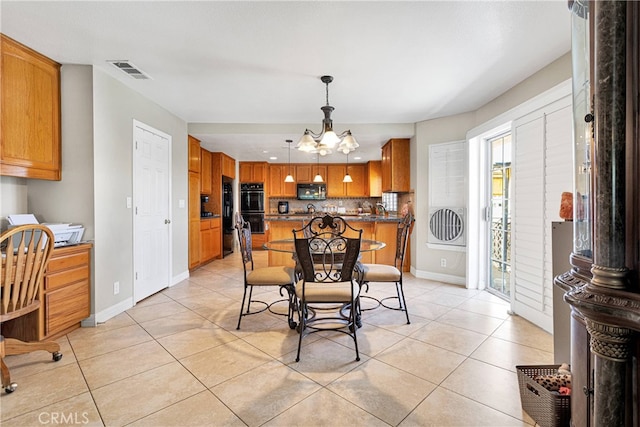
point(30, 113)
point(210, 239)
point(194, 154)
point(253, 171)
point(278, 230)
point(358, 187)
point(374, 178)
point(386, 232)
point(205, 171)
point(277, 187)
point(228, 166)
point(303, 173)
point(194, 219)
point(395, 166)
point(333, 178)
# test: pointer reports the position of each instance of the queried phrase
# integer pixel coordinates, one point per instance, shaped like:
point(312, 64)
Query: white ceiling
point(256, 64)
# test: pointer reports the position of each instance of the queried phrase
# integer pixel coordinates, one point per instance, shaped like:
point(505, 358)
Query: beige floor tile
point(488, 296)
point(334, 411)
point(506, 354)
point(278, 342)
point(442, 298)
point(192, 341)
point(518, 330)
point(86, 346)
point(184, 290)
point(324, 360)
point(116, 322)
point(41, 390)
point(179, 322)
point(75, 411)
point(471, 321)
point(487, 384)
point(224, 362)
point(461, 341)
point(426, 309)
point(158, 298)
point(265, 392)
point(114, 366)
point(382, 390)
point(203, 409)
point(145, 312)
point(459, 290)
point(444, 408)
point(423, 360)
point(394, 321)
point(371, 339)
point(135, 397)
point(487, 308)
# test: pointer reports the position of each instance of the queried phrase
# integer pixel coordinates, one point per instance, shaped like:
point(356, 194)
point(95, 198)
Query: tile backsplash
point(350, 205)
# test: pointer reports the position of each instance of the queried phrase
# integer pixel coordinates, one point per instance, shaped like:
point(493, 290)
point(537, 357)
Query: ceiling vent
point(130, 69)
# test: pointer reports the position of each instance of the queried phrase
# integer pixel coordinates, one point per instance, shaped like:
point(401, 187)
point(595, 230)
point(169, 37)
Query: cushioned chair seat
point(327, 292)
point(269, 276)
point(380, 273)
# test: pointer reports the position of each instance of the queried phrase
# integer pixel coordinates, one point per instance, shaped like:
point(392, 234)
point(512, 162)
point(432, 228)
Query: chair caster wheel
point(11, 388)
point(57, 356)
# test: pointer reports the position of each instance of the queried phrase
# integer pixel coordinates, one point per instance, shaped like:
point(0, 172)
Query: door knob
point(167, 221)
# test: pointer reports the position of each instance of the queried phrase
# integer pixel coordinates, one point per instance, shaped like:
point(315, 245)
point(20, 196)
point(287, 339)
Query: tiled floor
point(177, 359)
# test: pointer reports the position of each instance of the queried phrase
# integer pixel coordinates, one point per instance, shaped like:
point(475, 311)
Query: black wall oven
point(252, 198)
point(252, 206)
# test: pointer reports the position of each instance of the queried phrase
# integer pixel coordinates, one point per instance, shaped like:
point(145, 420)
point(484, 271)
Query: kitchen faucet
point(381, 208)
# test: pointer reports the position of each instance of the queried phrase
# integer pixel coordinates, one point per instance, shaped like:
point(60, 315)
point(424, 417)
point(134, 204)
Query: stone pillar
point(609, 344)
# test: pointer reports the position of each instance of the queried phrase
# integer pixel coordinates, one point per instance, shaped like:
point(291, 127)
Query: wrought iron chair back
point(402, 237)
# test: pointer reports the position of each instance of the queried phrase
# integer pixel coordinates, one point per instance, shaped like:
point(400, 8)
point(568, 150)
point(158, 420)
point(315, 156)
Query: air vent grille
point(446, 226)
point(130, 69)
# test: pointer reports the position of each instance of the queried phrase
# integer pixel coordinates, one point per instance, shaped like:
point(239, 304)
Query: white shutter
point(447, 168)
point(542, 171)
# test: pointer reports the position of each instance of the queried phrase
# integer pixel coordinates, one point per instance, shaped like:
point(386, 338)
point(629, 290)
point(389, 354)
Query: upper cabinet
point(205, 171)
point(228, 166)
point(253, 171)
point(30, 116)
point(303, 173)
point(374, 181)
point(194, 154)
point(277, 187)
point(395, 166)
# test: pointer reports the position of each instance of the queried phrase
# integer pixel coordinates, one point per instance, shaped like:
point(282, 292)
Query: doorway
point(151, 210)
point(499, 215)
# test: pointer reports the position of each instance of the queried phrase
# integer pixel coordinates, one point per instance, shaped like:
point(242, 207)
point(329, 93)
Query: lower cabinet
point(210, 239)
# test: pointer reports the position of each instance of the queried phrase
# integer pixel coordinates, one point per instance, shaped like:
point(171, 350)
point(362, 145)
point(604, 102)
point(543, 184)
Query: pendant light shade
point(289, 177)
point(318, 177)
point(347, 177)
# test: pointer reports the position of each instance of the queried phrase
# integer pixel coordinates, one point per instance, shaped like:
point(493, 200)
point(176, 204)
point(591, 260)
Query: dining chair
point(25, 253)
point(327, 289)
point(383, 273)
point(280, 276)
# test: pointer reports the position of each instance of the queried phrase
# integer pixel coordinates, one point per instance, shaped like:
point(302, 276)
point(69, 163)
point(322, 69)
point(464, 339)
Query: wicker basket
point(546, 408)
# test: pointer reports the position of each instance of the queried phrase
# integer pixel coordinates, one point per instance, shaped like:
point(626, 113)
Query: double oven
point(252, 206)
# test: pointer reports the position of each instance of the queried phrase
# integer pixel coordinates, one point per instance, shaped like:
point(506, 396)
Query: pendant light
point(289, 177)
point(318, 177)
point(347, 177)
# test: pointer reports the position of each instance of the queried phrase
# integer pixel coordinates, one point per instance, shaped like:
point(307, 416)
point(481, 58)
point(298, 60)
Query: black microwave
point(312, 191)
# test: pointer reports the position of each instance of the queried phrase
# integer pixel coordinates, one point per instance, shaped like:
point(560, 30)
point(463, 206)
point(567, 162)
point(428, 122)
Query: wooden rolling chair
point(327, 265)
point(382, 273)
point(25, 253)
point(263, 276)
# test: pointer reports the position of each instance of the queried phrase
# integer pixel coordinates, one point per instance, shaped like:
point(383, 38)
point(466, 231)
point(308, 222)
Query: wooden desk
point(65, 297)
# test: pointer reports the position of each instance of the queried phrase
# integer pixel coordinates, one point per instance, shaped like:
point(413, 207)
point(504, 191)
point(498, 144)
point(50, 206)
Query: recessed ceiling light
point(265, 151)
point(357, 158)
point(273, 158)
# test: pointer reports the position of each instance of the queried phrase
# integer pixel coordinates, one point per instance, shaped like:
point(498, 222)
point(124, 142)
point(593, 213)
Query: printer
point(64, 234)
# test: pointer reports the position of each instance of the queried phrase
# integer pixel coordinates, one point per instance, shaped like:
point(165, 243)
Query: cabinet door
point(357, 187)
point(386, 167)
point(194, 154)
point(205, 172)
point(194, 243)
point(289, 189)
point(245, 169)
point(386, 232)
point(194, 196)
point(319, 170)
point(216, 238)
point(66, 307)
point(276, 181)
point(303, 173)
point(30, 114)
point(395, 170)
point(333, 178)
point(228, 166)
point(260, 172)
point(206, 241)
point(374, 172)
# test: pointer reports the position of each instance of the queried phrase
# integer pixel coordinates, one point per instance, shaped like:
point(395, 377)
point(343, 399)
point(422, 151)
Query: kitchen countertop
point(210, 217)
point(348, 217)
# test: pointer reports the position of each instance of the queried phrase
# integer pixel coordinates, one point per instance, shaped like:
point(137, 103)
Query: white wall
point(426, 262)
point(115, 107)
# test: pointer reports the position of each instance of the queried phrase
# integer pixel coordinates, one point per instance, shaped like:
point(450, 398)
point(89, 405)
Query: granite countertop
point(209, 217)
point(348, 217)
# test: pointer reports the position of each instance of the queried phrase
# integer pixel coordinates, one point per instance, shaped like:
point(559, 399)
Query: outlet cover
point(443, 262)
point(116, 288)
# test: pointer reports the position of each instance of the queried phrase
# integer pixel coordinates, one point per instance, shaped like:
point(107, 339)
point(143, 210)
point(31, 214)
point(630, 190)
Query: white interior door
point(152, 222)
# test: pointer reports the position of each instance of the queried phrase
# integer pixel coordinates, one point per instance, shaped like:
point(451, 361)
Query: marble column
point(609, 344)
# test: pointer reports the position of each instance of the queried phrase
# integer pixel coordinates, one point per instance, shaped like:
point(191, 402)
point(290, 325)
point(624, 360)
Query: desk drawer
point(66, 307)
point(64, 278)
point(67, 261)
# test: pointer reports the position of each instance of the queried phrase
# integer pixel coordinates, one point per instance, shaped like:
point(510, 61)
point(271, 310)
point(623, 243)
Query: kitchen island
point(374, 227)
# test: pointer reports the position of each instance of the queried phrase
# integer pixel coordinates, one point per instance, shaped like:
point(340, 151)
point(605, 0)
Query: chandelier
point(325, 142)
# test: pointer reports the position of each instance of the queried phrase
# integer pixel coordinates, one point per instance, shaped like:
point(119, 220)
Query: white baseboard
point(179, 278)
point(439, 277)
point(113, 311)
